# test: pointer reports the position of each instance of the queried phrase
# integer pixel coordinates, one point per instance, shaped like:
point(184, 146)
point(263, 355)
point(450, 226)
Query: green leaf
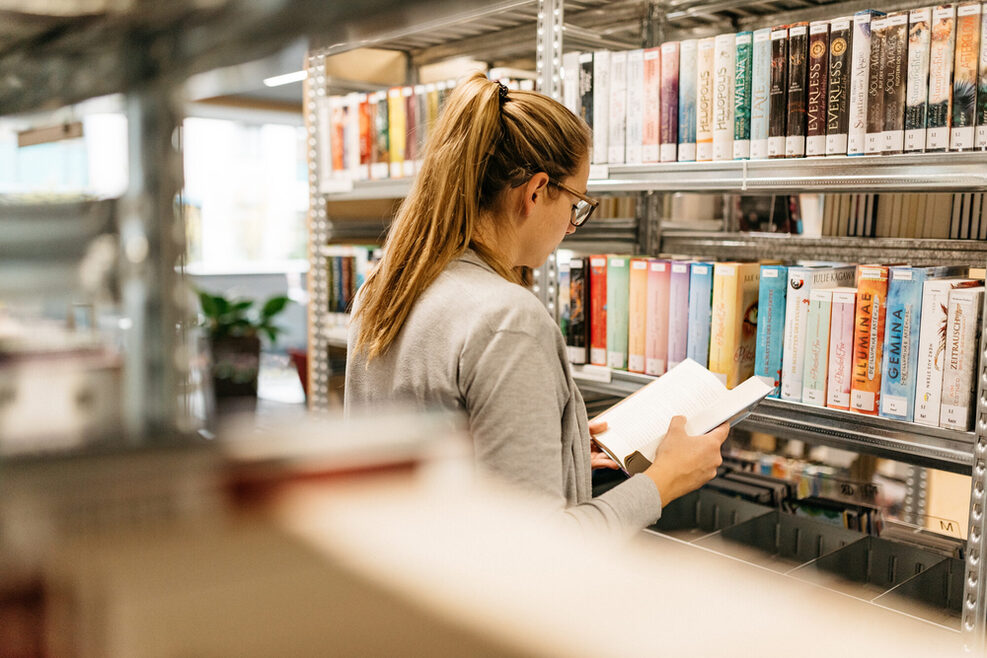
point(208, 304)
point(273, 306)
point(272, 333)
point(242, 305)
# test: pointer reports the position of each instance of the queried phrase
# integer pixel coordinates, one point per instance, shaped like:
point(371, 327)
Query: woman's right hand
point(684, 463)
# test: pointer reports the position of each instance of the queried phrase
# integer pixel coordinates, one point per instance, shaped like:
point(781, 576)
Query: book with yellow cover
point(637, 314)
point(733, 329)
point(868, 339)
point(396, 130)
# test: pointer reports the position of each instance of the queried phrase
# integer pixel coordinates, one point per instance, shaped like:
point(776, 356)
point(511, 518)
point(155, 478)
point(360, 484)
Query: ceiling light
point(285, 79)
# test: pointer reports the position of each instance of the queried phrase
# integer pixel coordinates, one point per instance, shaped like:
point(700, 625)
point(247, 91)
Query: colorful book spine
point(704, 99)
point(396, 131)
point(678, 313)
point(981, 138)
point(651, 151)
point(940, 78)
point(366, 115)
point(700, 306)
point(917, 94)
point(895, 77)
point(618, 284)
point(743, 57)
point(814, 371)
point(380, 163)
point(601, 106)
point(733, 327)
point(815, 110)
point(859, 81)
point(352, 128)
point(724, 74)
point(570, 81)
point(868, 339)
point(635, 107)
point(656, 347)
point(598, 310)
point(688, 51)
point(963, 135)
point(760, 90)
point(838, 102)
point(585, 92)
point(840, 368)
point(577, 338)
point(778, 101)
point(638, 315)
point(617, 111)
point(962, 346)
point(410, 130)
point(798, 80)
point(771, 325)
point(669, 101)
point(563, 306)
point(432, 101)
point(874, 135)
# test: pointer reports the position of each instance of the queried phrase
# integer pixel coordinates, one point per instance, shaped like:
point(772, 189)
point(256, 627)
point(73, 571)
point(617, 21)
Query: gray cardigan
point(479, 344)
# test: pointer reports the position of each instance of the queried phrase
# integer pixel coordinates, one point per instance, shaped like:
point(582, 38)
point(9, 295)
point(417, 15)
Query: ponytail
point(480, 146)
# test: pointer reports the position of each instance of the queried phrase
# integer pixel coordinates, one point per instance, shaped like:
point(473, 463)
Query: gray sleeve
point(515, 392)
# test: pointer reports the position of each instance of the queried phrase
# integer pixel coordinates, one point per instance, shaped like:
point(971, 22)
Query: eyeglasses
point(583, 209)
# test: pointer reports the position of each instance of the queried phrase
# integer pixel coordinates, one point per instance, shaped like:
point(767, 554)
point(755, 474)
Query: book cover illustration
point(637, 323)
point(778, 94)
point(577, 338)
point(724, 74)
point(859, 81)
point(704, 99)
point(700, 307)
point(940, 106)
point(733, 328)
point(962, 134)
point(688, 51)
point(585, 93)
point(868, 339)
point(669, 101)
point(818, 91)
point(601, 106)
point(760, 89)
point(742, 95)
point(959, 368)
point(771, 325)
point(917, 94)
point(618, 286)
point(874, 135)
point(635, 107)
point(598, 310)
point(651, 151)
point(617, 111)
point(838, 101)
point(814, 371)
point(678, 313)
point(798, 60)
point(895, 74)
point(656, 347)
point(981, 130)
point(840, 368)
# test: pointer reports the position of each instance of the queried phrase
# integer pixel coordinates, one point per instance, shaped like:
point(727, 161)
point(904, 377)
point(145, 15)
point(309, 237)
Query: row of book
point(867, 83)
point(346, 270)
point(895, 341)
point(911, 215)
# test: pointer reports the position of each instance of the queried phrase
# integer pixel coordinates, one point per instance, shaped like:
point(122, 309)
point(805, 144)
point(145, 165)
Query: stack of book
point(870, 83)
point(891, 340)
point(346, 269)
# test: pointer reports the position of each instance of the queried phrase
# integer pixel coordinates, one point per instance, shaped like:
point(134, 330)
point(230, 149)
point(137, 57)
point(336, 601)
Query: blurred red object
point(300, 359)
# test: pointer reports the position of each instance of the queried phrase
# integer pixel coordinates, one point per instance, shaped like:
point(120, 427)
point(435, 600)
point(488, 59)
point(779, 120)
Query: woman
point(443, 322)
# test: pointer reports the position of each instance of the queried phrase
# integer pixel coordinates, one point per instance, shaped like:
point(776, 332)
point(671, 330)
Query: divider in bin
point(701, 512)
point(935, 594)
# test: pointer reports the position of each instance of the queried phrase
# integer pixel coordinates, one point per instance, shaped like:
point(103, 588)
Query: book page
point(731, 406)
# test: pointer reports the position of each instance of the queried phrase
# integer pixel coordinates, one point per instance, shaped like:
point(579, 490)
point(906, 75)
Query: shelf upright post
point(151, 242)
point(548, 60)
point(974, 618)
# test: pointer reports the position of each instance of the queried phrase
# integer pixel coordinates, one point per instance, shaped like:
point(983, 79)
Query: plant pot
point(235, 363)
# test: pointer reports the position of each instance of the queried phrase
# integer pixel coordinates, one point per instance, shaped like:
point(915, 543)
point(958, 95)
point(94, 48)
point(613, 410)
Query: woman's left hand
point(598, 458)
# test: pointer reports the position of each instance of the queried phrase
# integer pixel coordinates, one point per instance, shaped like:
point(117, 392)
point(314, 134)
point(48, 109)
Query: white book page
point(731, 405)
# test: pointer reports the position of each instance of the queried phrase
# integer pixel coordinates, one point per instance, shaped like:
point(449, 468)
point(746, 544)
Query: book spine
point(798, 60)
point(700, 308)
point(962, 135)
point(981, 136)
point(838, 105)
point(900, 340)
point(778, 101)
point(380, 166)
point(815, 111)
point(618, 272)
point(564, 307)
point(366, 136)
point(917, 94)
point(760, 89)
point(585, 90)
point(704, 99)
point(895, 75)
point(678, 314)
point(635, 107)
point(422, 123)
point(750, 285)
point(669, 101)
point(743, 56)
point(723, 341)
point(656, 347)
point(598, 310)
point(570, 82)
point(618, 107)
point(688, 51)
point(940, 78)
point(396, 131)
point(840, 367)
point(638, 315)
point(352, 129)
point(577, 339)
point(651, 151)
point(601, 106)
point(771, 325)
point(868, 339)
point(799, 284)
point(859, 82)
point(724, 74)
point(959, 369)
point(814, 370)
point(874, 135)
point(410, 130)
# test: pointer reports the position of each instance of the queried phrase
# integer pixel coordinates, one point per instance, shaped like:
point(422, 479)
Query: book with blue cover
point(687, 100)
point(700, 305)
point(771, 324)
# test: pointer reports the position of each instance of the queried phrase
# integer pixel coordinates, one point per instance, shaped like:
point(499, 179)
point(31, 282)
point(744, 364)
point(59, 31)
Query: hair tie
point(503, 92)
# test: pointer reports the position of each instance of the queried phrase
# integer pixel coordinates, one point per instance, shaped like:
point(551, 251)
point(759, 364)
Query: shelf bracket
point(974, 616)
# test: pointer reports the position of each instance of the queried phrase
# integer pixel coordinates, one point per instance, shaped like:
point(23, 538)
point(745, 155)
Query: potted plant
point(234, 329)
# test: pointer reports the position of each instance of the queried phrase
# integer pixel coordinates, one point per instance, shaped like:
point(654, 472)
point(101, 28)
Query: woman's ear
point(534, 190)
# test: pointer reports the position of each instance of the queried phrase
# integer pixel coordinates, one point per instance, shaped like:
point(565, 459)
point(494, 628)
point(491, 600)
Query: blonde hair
point(481, 145)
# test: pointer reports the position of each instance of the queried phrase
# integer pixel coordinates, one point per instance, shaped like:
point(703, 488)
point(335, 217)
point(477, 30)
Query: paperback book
point(981, 130)
point(895, 75)
point(959, 369)
point(840, 368)
point(637, 315)
point(940, 78)
point(798, 60)
point(760, 90)
point(771, 325)
point(706, 49)
point(651, 151)
point(601, 106)
point(656, 346)
point(917, 95)
point(577, 338)
point(617, 111)
point(838, 103)
point(724, 74)
point(700, 307)
point(570, 82)
point(618, 284)
point(962, 136)
point(778, 93)
point(815, 111)
point(874, 135)
point(868, 339)
point(678, 313)
point(860, 80)
point(814, 370)
point(586, 88)
point(396, 131)
point(742, 96)
point(635, 107)
point(380, 158)
point(733, 327)
point(688, 50)
point(564, 311)
point(669, 101)
point(598, 310)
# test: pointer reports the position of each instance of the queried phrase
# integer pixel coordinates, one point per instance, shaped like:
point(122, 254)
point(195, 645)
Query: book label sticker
point(895, 405)
point(862, 400)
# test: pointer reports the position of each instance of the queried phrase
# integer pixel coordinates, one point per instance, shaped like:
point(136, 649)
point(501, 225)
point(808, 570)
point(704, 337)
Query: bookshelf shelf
point(884, 437)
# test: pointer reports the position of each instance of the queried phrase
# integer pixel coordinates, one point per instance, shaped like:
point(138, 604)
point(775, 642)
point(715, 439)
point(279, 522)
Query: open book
point(637, 424)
